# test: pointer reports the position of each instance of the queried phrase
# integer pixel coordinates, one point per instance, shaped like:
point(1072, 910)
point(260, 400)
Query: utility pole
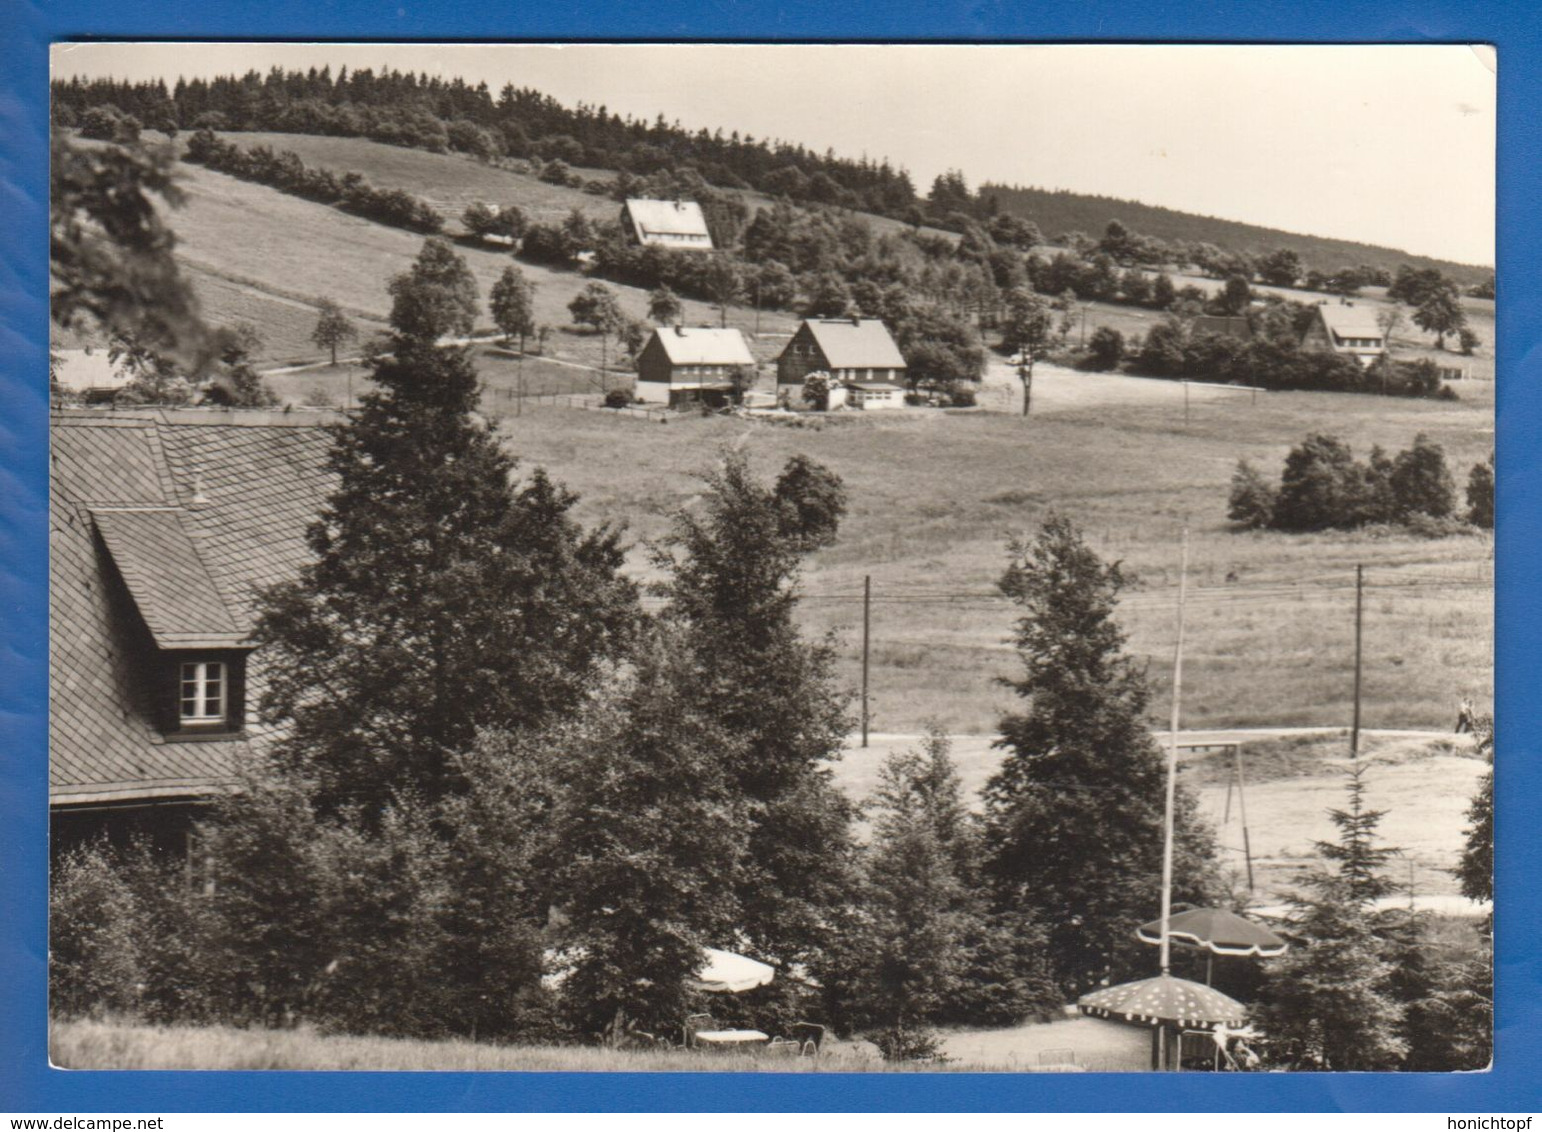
point(1185, 403)
point(1354, 731)
point(867, 608)
point(1172, 762)
point(519, 380)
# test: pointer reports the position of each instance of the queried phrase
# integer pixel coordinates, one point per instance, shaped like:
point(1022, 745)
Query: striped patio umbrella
point(1164, 998)
point(1217, 931)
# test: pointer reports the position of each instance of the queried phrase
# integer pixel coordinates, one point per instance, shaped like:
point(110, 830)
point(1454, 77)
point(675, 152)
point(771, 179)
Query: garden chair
point(810, 1037)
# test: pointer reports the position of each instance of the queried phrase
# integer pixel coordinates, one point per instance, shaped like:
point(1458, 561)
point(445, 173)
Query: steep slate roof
point(849, 343)
point(1350, 321)
point(190, 512)
point(667, 218)
point(1225, 325)
point(704, 346)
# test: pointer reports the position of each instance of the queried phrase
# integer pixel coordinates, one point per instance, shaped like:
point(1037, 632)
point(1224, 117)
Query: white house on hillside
point(1345, 328)
point(678, 224)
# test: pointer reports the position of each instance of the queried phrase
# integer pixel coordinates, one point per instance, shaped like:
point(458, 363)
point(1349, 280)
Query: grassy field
point(122, 1045)
point(934, 496)
point(1095, 1044)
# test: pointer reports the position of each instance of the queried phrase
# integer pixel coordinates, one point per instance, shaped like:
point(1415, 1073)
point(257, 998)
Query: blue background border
point(26, 1082)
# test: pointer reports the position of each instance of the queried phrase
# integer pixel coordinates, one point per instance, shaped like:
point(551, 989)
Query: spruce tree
point(443, 596)
point(734, 561)
point(1074, 816)
point(1330, 1003)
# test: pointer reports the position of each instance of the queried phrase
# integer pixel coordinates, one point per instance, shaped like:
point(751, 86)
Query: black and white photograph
point(771, 558)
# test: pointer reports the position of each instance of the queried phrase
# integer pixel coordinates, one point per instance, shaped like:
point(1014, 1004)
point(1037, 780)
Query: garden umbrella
point(1217, 931)
point(722, 972)
point(1165, 998)
point(727, 973)
point(1169, 1005)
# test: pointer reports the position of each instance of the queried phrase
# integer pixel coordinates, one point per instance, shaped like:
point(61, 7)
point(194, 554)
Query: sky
point(1388, 145)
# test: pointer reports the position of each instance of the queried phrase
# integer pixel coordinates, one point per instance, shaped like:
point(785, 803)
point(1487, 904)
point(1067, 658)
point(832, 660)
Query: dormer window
point(204, 686)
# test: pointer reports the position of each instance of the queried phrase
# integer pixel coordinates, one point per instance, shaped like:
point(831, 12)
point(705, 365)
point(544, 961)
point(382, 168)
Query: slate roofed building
point(1348, 329)
point(163, 526)
point(682, 365)
point(1234, 326)
point(848, 349)
point(666, 224)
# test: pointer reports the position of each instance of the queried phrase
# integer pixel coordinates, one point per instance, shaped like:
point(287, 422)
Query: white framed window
point(203, 688)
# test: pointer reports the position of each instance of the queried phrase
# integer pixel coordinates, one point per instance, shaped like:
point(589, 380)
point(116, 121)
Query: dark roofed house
point(1348, 329)
point(666, 224)
point(682, 365)
point(163, 525)
point(1234, 326)
point(848, 349)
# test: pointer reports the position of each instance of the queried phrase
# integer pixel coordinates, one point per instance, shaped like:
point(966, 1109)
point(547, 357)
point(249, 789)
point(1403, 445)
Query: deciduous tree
point(436, 297)
point(333, 328)
point(512, 303)
point(733, 562)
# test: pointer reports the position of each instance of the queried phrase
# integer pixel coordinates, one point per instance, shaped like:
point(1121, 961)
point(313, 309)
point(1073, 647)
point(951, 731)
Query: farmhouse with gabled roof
point(677, 224)
point(848, 349)
point(682, 365)
point(1345, 328)
point(164, 524)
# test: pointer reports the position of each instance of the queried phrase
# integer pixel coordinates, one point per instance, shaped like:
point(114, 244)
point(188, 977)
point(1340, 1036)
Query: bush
point(617, 399)
point(1252, 500)
point(96, 961)
point(1480, 494)
point(108, 123)
point(1105, 348)
point(1421, 483)
point(908, 1043)
point(1321, 487)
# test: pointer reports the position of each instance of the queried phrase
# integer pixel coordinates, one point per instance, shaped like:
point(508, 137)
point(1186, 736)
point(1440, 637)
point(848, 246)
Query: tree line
point(1323, 487)
point(440, 115)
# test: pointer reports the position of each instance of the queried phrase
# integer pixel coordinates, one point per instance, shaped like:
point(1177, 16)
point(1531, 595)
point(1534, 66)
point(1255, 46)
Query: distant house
point(677, 224)
point(1233, 326)
point(848, 349)
point(163, 524)
point(683, 365)
point(1345, 328)
point(89, 372)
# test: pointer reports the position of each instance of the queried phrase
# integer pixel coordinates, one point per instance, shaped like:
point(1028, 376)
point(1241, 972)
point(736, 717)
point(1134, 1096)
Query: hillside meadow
point(933, 498)
point(257, 255)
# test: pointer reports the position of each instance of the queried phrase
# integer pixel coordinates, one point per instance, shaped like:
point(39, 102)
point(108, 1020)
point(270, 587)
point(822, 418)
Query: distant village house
point(686, 365)
point(857, 353)
point(1233, 326)
point(1345, 328)
point(678, 224)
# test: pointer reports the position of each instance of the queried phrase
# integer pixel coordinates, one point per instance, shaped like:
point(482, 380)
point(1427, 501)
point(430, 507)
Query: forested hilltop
point(1056, 210)
point(450, 115)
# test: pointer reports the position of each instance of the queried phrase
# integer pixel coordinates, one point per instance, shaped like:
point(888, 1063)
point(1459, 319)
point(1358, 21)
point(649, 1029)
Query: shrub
point(108, 123)
point(1480, 494)
point(96, 962)
point(1105, 348)
point(617, 399)
point(1252, 499)
point(1420, 481)
point(1321, 486)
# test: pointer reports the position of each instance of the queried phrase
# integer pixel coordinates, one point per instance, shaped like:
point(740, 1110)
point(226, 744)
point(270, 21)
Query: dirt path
point(1057, 389)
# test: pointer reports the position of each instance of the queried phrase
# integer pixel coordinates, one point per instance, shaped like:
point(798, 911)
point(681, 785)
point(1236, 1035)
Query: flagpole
point(1172, 762)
